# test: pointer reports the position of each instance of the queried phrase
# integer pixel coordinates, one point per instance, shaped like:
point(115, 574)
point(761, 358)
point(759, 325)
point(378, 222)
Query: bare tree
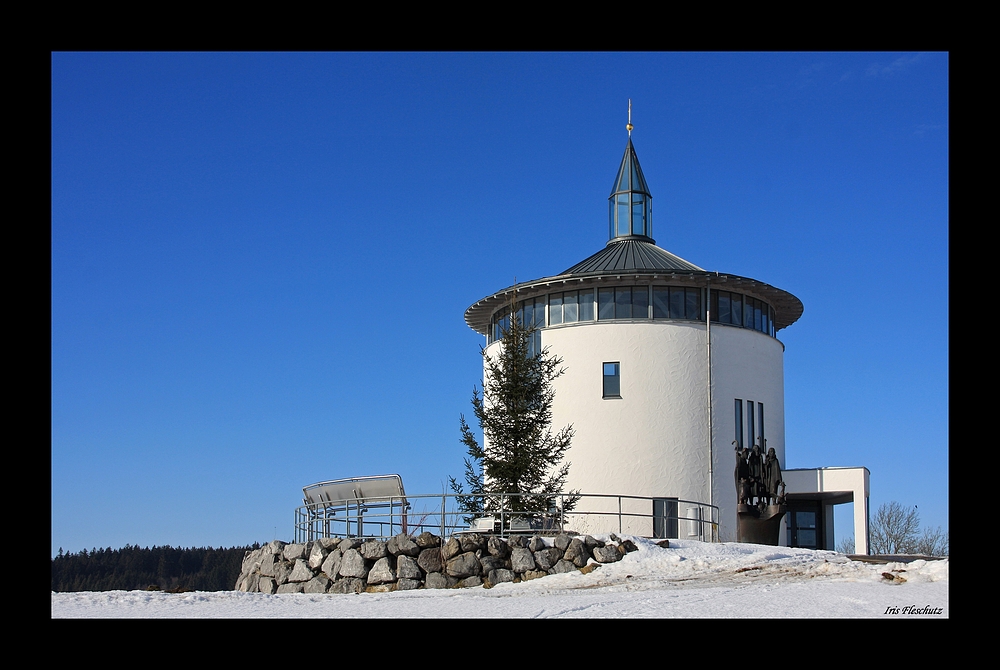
point(894, 529)
point(933, 542)
point(846, 545)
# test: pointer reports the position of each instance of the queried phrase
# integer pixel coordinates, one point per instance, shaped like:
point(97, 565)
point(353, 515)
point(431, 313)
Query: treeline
point(163, 568)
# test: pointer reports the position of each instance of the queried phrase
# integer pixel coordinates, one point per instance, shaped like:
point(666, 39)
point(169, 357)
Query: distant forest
point(159, 568)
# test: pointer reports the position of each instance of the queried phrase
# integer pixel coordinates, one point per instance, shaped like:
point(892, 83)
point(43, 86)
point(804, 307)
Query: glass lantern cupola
point(630, 206)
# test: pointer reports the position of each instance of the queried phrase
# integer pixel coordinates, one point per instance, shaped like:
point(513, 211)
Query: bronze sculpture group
point(758, 478)
point(760, 494)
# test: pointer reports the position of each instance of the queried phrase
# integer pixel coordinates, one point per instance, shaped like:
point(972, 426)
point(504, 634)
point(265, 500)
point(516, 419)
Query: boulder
point(427, 540)
point(407, 584)
point(451, 549)
point(348, 585)
point(317, 554)
point(403, 544)
point(522, 560)
point(407, 568)
point(353, 565)
point(577, 553)
point(382, 572)
point(607, 554)
point(293, 551)
point(331, 566)
point(318, 584)
point(300, 572)
point(463, 565)
point(374, 550)
point(431, 560)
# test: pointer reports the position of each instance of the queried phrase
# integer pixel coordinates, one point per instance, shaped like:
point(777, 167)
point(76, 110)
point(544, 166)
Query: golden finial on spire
point(628, 126)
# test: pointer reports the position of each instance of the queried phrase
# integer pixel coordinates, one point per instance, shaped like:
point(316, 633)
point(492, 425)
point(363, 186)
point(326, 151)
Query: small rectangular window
point(664, 517)
point(751, 435)
point(760, 426)
point(612, 380)
point(739, 422)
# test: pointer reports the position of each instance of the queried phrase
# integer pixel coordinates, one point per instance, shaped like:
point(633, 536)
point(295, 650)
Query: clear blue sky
point(260, 262)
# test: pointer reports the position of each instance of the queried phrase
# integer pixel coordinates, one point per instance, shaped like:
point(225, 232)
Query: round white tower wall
point(653, 440)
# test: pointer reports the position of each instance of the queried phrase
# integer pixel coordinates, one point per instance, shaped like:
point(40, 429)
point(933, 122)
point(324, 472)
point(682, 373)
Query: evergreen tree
point(520, 453)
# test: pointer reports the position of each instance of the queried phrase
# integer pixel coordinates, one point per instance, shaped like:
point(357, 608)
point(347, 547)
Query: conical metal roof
point(630, 174)
point(635, 255)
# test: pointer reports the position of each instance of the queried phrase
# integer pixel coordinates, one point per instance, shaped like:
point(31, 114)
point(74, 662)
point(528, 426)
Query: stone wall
point(335, 565)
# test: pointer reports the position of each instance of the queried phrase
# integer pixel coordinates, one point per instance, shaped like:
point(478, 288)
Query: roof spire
point(628, 126)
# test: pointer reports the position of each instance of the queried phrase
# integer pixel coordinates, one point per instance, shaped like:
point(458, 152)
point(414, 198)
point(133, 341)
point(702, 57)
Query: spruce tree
point(520, 453)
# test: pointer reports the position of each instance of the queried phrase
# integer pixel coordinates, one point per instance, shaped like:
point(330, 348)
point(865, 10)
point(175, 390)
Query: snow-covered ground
point(689, 579)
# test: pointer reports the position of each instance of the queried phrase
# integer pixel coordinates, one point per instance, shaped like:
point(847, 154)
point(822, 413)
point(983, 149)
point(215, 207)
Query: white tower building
point(667, 365)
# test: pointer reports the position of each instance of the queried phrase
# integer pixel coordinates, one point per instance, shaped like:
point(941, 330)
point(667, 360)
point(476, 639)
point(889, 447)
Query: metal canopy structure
point(345, 501)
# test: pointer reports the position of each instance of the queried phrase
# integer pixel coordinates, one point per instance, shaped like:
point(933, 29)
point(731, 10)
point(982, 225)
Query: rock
point(587, 569)
point(407, 584)
point(318, 584)
point(491, 563)
point(407, 568)
point(293, 551)
point(380, 588)
point(663, 543)
point(405, 545)
point(607, 554)
point(329, 543)
point(353, 565)
point(546, 558)
point(562, 541)
point(348, 585)
point(515, 541)
point(522, 560)
point(274, 547)
point(536, 543)
point(317, 554)
point(472, 542)
point(577, 553)
point(266, 585)
point(501, 575)
point(430, 560)
point(300, 572)
point(497, 547)
point(534, 574)
point(381, 572)
point(295, 587)
point(436, 580)
point(469, 582)
point(267, 565)
point(562, 567)
point(281, 571)
point(463, 565)
point(451, 549)
point(331, 566)
point(629, 546)
point(427, 540)
point(374, 550)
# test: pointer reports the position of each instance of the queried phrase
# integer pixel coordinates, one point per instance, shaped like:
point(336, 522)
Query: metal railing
point(506, 514)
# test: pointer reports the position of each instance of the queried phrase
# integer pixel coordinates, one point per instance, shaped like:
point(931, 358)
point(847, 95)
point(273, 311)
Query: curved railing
point(508, 514)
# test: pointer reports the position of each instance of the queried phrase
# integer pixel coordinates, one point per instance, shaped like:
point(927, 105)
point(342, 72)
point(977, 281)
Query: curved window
point(636, 302)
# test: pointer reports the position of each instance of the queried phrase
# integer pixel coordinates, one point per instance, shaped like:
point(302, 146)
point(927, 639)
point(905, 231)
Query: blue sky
point(260, 262)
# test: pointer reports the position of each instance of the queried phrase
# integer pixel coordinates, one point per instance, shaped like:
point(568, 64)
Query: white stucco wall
point(653, 441)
